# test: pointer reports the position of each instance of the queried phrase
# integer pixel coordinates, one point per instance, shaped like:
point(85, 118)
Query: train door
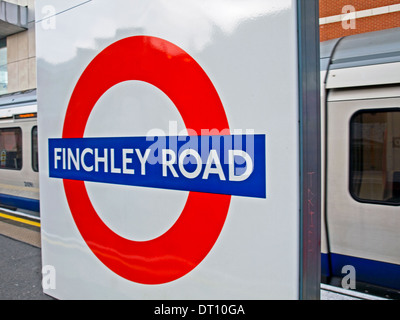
point(363, 184)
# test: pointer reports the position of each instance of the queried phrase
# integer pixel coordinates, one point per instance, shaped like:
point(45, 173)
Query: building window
point(11, 148)
point(3, 67)
point(375, 156)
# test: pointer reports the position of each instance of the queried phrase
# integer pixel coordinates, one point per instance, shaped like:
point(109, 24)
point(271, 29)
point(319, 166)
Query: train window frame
point(352, 160)
point(34, 153)
point(20, 152)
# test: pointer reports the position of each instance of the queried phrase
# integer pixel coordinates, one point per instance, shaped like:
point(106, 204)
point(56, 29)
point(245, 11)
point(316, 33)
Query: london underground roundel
point(166, 66)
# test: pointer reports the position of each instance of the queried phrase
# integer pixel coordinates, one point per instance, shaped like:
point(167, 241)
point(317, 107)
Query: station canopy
point(13, 19)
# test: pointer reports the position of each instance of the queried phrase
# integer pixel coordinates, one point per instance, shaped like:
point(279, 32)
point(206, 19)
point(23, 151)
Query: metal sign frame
point(310, 153)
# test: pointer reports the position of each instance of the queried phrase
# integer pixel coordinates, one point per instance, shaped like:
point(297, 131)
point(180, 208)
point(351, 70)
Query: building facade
point(340, 18)
point(17, 46)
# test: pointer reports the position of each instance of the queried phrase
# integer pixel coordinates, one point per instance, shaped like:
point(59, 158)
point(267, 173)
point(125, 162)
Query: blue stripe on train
point(20, 202)
point(370, 271)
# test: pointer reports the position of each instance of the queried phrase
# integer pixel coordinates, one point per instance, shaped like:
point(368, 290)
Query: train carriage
point(19, 178)
point(361, 125)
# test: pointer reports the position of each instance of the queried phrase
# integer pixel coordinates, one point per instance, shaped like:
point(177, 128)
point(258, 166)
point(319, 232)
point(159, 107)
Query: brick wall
point(332, 7)
point(329, 8)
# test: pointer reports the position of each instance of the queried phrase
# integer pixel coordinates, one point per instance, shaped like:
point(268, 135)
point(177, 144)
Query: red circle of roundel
point(169, 68)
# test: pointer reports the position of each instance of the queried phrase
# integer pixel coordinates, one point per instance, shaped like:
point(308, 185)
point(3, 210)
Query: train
point(360, 125)
point(360, 135)
point(19, 165)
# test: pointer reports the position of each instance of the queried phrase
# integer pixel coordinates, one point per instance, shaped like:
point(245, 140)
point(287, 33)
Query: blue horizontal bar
point(225, 164)
point(370, 271)
point(20, 202)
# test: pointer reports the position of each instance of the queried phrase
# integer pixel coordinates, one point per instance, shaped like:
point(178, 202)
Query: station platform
point(20, 258)
point(335, 293)
point(20, 263)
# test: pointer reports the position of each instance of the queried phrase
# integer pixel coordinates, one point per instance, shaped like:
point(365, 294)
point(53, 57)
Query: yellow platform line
point(32, 223)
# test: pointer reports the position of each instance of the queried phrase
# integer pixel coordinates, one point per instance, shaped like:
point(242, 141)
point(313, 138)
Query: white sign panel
point(169, 148)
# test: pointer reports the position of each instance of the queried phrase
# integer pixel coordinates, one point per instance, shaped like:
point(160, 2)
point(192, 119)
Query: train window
point(375, 156)
point(11, 148)
point(35, 156)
